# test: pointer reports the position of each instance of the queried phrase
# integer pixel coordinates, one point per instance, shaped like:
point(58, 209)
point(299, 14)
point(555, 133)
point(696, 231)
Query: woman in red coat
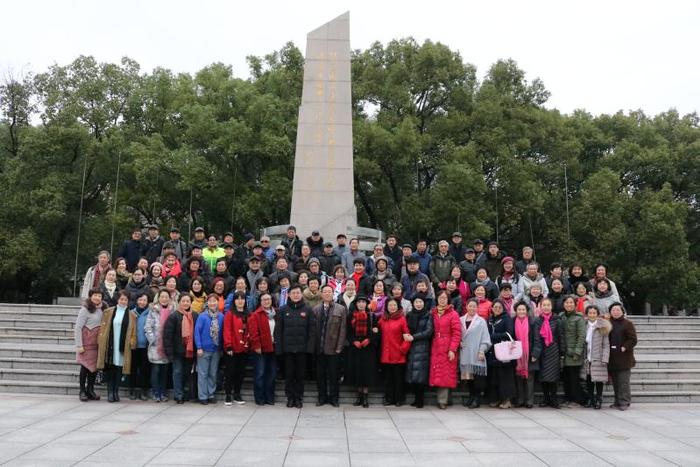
point(261, 329)
point(484, 309)
point(447, 336)
point(394, 348)
point(235, 348)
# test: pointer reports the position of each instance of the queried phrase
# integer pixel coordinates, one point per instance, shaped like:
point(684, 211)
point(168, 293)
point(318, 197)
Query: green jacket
point(575, 334)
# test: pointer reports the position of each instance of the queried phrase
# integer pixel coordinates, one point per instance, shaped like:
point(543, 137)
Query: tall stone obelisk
point(323, 190)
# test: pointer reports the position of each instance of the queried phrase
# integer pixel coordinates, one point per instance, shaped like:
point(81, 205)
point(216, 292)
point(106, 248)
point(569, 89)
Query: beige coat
point(596, 364)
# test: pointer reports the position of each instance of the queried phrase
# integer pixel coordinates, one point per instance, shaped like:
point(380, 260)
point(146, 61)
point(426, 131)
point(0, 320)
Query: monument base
point(368, 237)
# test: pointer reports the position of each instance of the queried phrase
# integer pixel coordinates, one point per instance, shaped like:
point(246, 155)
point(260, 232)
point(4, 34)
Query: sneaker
point(238, 399)
point(228, 400)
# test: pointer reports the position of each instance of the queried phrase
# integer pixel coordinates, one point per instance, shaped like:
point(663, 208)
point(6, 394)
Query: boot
point(132, 394)
point(476, 403)
point(91, 387)
point(116, 382)
point(598, 402)
point(83, 379)
point(110, 386)
point(365, 400)
point(143, 395)
point(359, 400)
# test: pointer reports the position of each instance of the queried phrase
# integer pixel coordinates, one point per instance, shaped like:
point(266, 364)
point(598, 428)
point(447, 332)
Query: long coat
point(336, 329)
point(596, 363)
point(105, 340)
point(575, 334)
point(447, 335)
point(361, 364)
point(420, 325)
point(622, 334)
point(550, 356)
point(499, 328)
point(393, 347)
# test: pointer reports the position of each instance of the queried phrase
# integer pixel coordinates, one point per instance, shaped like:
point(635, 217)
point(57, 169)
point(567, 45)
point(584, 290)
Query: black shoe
point(83, 396)
point(204, 402)
point(116, 394)
point(335, 404)
point(554, 404)
point(528, 406)
point(588, 404)
point(399, 404)
point(387, 403)
point(466, 402)
point(143, 395)
point(110, 396)
point(212, 400)
point(179, 401)
point(544, 403)
point(132, 395)
point(228, 400)
point(237, 399)
point(299, 404)
point(290, 403)
point(365, 401)
point(598, 404)
point(320, 403)
point(476, 403)
point(358, 401)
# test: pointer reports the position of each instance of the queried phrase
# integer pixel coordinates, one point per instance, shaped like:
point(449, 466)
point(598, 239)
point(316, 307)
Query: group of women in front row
point(422, 348)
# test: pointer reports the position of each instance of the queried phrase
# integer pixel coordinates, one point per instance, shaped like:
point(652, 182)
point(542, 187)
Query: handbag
point(507, 351)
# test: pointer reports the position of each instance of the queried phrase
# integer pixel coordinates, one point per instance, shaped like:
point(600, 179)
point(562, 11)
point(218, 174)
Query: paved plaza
point(59, 430)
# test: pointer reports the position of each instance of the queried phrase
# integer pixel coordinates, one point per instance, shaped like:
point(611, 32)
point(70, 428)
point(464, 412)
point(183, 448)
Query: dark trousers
point(572, 385)
point(502, 382)
point(159, 378)
point(591, 386)
point(419, 391)
point(113, 377)
point(550, 392)
point(140, 369)
point(621, 386)
point(393, 382)
point(234, 372)
point(295, 368)
point(184, 379)
point(264, 373)
point(327, 378)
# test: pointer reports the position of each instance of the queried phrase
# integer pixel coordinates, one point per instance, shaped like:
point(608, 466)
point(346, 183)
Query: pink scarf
point(522, 333)
point(546, 330)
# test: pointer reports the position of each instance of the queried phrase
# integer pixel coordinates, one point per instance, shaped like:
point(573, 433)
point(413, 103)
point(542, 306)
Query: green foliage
point(435, 151)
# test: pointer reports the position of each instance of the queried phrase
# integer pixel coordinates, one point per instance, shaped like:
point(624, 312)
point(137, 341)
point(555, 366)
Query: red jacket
point(447, 335)
point(394, 348)
point(235, 333)
point(259, 332)
point(484, 309)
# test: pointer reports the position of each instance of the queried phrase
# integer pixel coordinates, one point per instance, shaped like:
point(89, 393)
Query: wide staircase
point(37, 355)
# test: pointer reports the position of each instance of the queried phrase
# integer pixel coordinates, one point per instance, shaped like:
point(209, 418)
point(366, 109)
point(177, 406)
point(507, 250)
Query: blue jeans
point(264, 374)
point(207, 367)
point(183, 378)
point(159, 377)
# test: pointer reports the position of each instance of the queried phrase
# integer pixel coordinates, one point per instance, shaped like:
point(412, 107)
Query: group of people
point(189, 312)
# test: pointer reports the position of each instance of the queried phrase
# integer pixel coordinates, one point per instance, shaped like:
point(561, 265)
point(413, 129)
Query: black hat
point(457, 234)
point(506, 285)
point(199, 229)
point(228, 245)
point(254, 258)
point(249, 236)
point(257, 245)
point(412, 260)
point(328, 244)
point(361, 297)
point(341, 235)
point(407, 245)
point(421, 295)
point(228, 233)
point(168, 245)
point(478, 241)
point(174, 229)
point(469, 250)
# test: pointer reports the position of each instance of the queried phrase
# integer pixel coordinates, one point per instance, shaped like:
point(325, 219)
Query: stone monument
point(323, 194)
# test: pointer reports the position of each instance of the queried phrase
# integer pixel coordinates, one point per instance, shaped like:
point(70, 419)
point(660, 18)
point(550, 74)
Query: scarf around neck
point(359, 323)
point(546, 330)
point(522, 333)
point(188, 332)
point(214, 325)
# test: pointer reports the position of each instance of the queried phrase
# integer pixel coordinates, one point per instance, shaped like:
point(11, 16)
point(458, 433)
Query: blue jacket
point(202, 339)
point(141, 341)
point(424, 260)
point(250, 302)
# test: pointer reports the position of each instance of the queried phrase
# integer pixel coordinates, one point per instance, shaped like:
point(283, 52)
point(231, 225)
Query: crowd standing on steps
point(197, 316)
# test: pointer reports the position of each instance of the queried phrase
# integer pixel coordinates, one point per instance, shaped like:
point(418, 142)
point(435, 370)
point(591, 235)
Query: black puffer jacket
point(172, 335)
point(420, 324)
point(499, 328)
point(294, 329)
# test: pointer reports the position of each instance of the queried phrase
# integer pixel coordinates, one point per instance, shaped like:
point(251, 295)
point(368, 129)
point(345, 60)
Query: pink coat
point(447, 336)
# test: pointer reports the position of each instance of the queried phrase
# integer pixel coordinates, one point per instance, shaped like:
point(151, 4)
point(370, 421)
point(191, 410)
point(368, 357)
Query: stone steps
point(10, 331)
point(679, 348)
point(38, 363)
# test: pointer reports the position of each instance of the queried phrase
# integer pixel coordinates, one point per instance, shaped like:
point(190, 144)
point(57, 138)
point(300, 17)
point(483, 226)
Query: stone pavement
point(59, 430)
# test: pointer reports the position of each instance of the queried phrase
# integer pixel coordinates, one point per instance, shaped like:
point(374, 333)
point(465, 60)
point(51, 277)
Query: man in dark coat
point(179, 245)
point(330, 333)
point(393, 251)
point(468, 266)
point(199, 239)
point(315, 242)
point(130, 250)
point(526, 258)
point(294, 339)
point(329, 260)
point(153, 245)
point(491, 260)
point(291, 242)
point(457, 247)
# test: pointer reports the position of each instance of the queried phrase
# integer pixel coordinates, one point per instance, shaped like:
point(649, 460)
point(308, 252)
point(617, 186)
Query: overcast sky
point(602, 56)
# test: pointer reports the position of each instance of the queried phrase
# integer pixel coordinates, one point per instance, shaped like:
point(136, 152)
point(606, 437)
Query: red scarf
point(581, 304)
point(522, 333)
point(188, 333)
point(356, 278)
point(546, 330)
point(359, 323)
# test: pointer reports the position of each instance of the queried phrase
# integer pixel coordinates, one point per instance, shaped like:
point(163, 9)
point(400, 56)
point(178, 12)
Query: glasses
point(265, 241)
